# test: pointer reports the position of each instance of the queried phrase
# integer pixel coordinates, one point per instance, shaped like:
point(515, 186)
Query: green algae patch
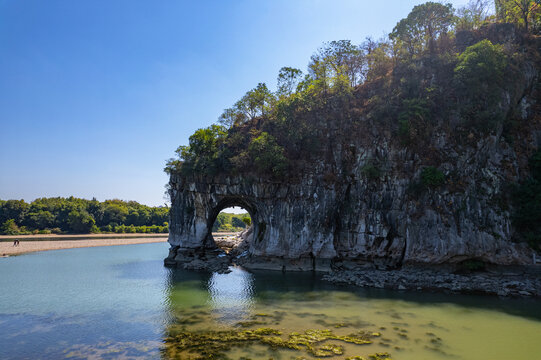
point(261, 319)
point(319, 343)
point(376, 356)
point(380, 356)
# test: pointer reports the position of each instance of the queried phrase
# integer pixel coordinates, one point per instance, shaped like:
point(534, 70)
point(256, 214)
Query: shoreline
point(28, 246)
point(35, 243)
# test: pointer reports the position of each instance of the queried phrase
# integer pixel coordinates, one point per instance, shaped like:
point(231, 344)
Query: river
point(120, 302)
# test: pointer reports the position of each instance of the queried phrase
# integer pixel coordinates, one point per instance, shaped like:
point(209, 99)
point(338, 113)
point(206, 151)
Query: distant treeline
point(231, 222)
point(80, 216)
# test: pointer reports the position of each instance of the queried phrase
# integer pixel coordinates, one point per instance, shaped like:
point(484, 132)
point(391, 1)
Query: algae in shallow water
point(215, 344)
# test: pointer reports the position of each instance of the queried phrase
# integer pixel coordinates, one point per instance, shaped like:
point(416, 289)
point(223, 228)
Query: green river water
point(119, 302)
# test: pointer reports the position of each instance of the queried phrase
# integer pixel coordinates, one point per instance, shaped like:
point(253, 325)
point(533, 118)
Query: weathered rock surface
point(366, 220)
point(215, 260)
point(518, 283)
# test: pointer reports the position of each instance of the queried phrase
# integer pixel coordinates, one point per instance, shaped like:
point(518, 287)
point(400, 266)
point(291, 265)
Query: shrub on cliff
point(432, 177)
point(202, 155)
point(268, 157)
point(479, 75)
point(412, 120)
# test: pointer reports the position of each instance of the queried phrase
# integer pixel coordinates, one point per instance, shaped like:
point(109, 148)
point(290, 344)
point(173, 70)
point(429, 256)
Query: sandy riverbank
point(31, 245)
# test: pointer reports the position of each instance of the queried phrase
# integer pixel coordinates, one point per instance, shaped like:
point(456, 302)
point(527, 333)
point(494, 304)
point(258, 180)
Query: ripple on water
point(119, 302)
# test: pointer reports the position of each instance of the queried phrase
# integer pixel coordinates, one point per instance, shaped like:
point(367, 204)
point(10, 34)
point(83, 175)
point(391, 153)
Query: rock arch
point(227, 202)
point(287, 233)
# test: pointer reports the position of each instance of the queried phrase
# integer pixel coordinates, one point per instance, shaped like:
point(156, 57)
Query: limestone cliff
point(361, 196)
point(366, 220)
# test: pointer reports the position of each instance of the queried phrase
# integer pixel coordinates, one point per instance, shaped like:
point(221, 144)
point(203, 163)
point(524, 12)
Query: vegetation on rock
point(414, 83)
point(432, 177)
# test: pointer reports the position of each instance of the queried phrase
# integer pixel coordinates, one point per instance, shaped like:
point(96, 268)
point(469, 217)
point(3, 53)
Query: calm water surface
point(120, 302)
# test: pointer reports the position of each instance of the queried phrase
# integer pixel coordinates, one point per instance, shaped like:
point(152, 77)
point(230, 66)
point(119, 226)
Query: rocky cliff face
point(379, 219)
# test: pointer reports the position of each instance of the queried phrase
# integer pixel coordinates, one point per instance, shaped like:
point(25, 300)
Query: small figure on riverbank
point(16, 242)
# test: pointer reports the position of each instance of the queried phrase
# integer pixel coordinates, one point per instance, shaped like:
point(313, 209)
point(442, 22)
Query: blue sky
point(96, 95)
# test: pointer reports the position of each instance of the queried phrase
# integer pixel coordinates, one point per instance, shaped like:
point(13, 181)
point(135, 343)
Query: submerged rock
point(524, 284)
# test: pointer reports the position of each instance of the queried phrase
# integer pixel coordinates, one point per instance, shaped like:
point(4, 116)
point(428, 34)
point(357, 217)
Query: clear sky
point(95, 95)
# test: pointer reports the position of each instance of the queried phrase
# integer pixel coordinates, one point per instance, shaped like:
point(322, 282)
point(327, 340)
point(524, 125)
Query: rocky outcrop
point(523, 282)
point(383, 220)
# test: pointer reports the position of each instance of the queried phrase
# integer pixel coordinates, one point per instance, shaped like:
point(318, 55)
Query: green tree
point(202, 155)
point(479, 75)
point(521, 12)
point(413, 120)
point(231, 117)
point(432, 177)
point(473, 15)
point(9, 227)
point(237, 222)
point(255, 102)
point(247, 220)
point(40, 220)
point(80, 222)
point(268, 155)
point(423, 25)
point(336, 59)
point(288, 79)
point(481, 66)
point(115, 212)
point(13, 209)
point(159, 216)
point(220, 221)
point(378, 61)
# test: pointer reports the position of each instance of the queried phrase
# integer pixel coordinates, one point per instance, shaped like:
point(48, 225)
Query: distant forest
point(231, 222)
point(80, 216)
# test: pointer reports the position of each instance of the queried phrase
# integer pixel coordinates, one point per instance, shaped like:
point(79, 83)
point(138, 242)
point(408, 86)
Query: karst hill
point(419, 148)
